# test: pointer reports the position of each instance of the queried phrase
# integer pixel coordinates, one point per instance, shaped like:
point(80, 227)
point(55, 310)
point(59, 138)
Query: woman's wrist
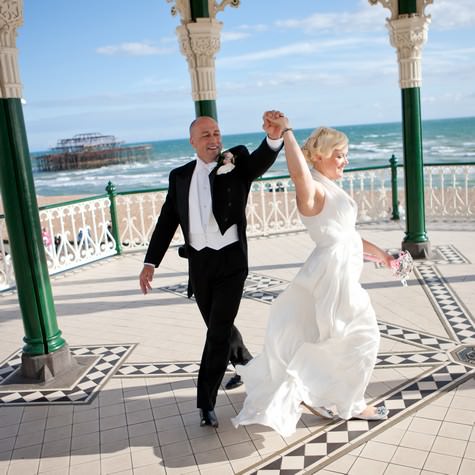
point(287, 129)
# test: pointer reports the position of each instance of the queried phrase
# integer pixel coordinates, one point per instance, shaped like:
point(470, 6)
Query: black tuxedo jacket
point(229, 192)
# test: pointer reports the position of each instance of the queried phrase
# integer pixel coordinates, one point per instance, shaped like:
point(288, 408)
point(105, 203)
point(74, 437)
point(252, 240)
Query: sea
point(444, 141)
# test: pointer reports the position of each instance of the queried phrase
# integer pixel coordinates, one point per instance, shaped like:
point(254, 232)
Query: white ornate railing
point(450, 191)
point(138, 213)
point(74, 234)
point(80, 231)
point(272, 208)
point(371, 189)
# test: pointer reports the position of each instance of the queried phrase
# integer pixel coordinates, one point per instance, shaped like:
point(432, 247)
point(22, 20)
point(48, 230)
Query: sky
point(114, 67)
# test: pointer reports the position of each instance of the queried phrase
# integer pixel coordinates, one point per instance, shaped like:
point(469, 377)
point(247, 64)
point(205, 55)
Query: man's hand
point(273, 124)
point(146, 276)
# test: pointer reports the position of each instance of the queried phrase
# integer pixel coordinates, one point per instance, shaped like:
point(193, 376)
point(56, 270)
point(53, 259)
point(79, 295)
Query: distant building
point(91, 150)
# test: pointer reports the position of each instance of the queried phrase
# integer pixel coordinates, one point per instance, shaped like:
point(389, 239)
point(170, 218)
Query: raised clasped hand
point(274, 123)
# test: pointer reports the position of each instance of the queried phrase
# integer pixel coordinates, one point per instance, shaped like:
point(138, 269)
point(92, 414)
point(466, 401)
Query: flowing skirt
point(320, 346)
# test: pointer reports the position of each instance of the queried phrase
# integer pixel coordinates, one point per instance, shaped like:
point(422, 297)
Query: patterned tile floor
point(133, 411)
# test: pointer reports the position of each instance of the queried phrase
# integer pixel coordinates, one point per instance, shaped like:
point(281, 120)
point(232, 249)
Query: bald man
point(207, 197)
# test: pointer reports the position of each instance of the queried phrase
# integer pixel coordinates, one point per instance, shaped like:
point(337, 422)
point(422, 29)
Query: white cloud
point(233, 36)
point(260, 27)
point(446, 15)
point(112, 101)
point(299, 48)
point(450, 14)
point(365, 19)
point(133, 49)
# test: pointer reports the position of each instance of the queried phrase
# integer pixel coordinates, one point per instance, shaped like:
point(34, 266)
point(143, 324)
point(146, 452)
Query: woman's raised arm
point(306, 188)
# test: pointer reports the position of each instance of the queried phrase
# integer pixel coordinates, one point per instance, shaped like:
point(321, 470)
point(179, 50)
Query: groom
point(207, 197)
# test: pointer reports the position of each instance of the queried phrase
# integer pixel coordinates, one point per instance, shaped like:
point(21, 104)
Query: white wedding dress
point(322, 337)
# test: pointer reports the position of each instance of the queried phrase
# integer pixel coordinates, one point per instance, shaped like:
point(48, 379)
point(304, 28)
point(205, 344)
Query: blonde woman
point(322, 337)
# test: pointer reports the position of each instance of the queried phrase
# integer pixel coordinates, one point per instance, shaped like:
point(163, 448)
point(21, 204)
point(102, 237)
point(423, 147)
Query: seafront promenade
point(133, 411)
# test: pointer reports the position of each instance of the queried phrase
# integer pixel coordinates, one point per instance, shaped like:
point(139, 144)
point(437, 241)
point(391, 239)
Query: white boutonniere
point(225, 163)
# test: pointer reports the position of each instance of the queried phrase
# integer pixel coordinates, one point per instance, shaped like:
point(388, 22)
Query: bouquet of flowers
point(401, 267)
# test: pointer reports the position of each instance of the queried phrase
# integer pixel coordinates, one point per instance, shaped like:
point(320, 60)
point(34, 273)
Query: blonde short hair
point(323, 141)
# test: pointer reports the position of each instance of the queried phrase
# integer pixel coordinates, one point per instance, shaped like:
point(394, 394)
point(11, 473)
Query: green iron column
point(408, 27)
point(199, 38)
point(415, 240)
point(42, 335)
point(26, 245)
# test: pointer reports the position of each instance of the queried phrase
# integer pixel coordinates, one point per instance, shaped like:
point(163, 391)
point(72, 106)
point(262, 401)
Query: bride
point(322, 337)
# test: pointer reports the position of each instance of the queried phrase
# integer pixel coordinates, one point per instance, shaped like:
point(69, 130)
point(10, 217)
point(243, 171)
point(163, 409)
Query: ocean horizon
point(444, 141)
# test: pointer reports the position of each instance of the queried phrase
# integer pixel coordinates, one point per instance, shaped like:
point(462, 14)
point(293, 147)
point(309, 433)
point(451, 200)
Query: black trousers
point(217, 278)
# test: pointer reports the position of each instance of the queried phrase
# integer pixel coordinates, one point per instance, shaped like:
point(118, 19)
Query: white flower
point(225, 163)
point(225, 168)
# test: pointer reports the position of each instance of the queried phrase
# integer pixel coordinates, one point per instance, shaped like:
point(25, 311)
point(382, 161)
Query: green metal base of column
point(36, 346)
point(33, 346)
point(418, 250)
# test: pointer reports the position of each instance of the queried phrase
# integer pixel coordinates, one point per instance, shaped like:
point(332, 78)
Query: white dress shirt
point(204, 230)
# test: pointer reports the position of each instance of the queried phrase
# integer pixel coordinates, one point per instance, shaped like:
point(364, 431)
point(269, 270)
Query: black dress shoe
point(234, 382)
point(208, 418)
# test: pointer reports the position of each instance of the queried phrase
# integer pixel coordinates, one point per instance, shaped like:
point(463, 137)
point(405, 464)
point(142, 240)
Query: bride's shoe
point(381, 413)
point(321, 412)
point(326, 413)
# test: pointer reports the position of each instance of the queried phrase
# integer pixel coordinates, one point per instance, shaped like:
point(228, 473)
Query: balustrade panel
point(77, 233)
point(138, 214)
point(449, 191)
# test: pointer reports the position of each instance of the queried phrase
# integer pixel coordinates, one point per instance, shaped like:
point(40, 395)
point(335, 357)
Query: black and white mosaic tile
point(184, 368)
point(256, 287)
point(449, 255)
point(428, 358)
point(106, 360)
point(414, 337)
point(456, 319)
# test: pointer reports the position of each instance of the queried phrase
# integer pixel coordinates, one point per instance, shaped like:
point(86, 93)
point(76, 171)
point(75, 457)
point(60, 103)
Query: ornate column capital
point(199, 41)
point(407, 33)
point(11, 17)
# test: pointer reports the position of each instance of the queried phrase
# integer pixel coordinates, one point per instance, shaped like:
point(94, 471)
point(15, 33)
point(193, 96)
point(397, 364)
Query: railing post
point(110, 188)
point(394, 191)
